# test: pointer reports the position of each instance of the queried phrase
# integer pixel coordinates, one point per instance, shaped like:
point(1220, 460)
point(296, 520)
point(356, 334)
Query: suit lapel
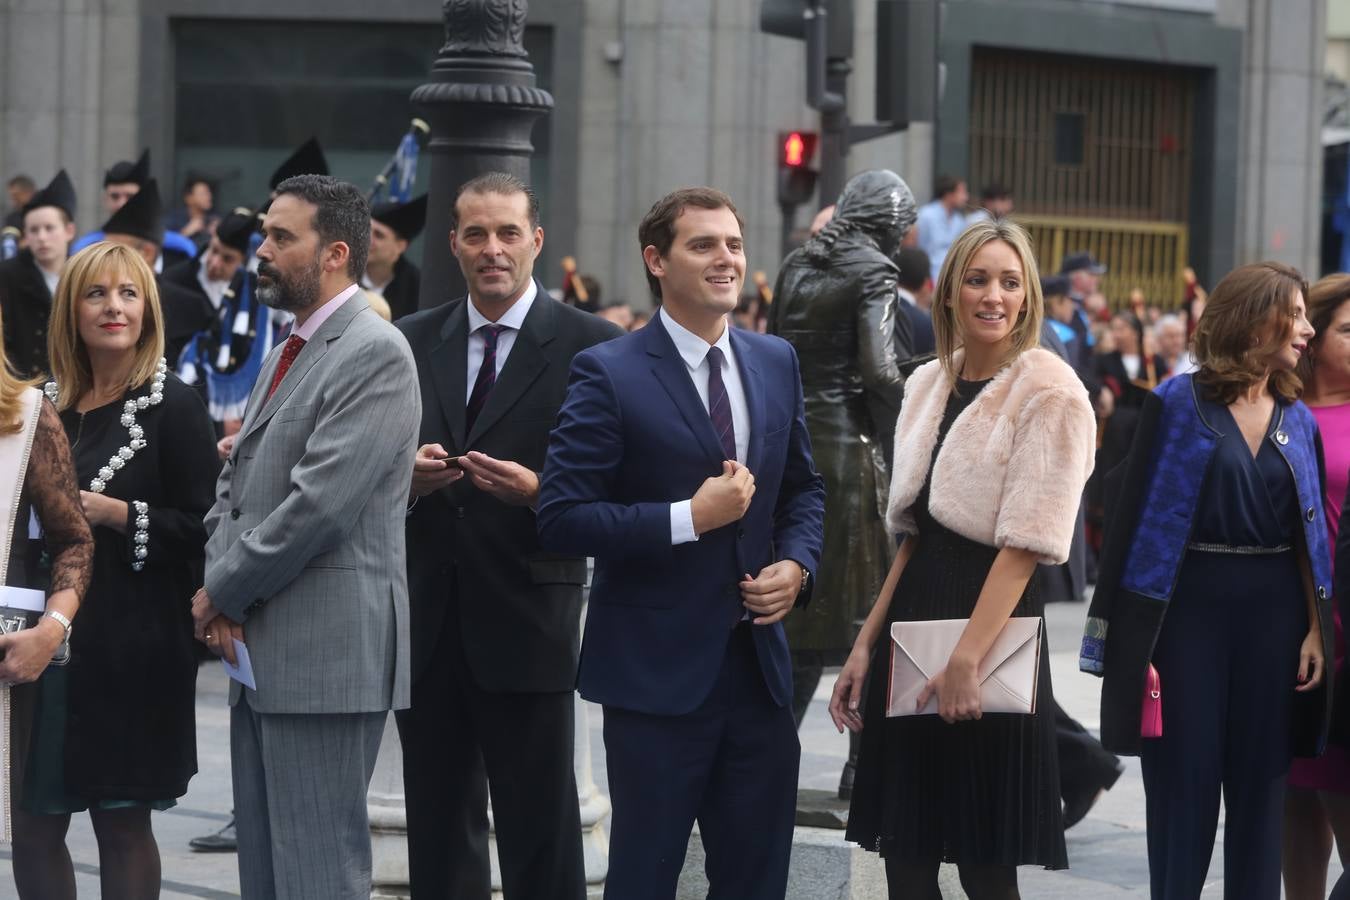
point(448, 361)
point(524, 365)
point(669, 368)
point(753, 384)
point(309, 355)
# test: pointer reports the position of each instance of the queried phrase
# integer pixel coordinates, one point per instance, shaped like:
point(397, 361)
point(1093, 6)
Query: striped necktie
point(487, 375)
point(719, 406)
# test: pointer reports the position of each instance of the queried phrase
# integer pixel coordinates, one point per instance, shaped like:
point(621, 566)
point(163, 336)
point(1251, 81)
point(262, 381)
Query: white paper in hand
point(242, 673)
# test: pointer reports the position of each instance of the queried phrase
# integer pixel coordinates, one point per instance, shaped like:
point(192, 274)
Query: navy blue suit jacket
point(632, 438)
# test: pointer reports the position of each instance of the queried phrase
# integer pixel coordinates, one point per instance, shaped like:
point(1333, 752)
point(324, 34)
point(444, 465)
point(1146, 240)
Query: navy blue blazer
point(632, 438)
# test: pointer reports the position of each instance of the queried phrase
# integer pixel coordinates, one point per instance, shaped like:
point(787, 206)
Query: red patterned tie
point(288, 354)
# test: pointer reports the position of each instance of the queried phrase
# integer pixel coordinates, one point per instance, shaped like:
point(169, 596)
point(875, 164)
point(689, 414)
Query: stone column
point(481, 103)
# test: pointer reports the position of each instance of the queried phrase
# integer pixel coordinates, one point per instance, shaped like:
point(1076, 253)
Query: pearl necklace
point(129, 409)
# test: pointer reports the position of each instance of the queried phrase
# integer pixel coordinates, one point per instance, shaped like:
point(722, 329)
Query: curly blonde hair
point(1248, 318)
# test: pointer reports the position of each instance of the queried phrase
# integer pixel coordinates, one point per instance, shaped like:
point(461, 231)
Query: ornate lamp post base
point(482, 104)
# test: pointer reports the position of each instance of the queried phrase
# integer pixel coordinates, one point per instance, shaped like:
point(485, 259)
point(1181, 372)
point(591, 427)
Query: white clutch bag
point(1007, 675)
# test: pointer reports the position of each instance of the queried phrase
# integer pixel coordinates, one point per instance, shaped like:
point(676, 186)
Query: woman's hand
point(100, 509)
point(26, 653)
point(847, 696)
point(1311, 662)
point(958, 692)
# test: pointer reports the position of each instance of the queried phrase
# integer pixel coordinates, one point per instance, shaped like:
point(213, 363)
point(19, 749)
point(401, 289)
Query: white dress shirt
point(214, 290)
point(694, 351)
point(511, 322)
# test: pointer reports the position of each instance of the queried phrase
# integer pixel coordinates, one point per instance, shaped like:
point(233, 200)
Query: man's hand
point(213, 629)
point(225, 445)
point(509, 482)
point(771, 595)
point(100, 509)
point(723, 499)
point(24, 655)
point(433, 469)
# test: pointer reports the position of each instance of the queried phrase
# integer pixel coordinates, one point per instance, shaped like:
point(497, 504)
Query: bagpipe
point(395, 181)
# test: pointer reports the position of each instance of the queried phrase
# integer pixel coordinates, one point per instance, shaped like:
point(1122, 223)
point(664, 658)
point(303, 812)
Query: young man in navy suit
point(681, 462)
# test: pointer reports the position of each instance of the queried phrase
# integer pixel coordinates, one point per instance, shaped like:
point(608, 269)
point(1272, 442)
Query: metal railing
point(1145, 255)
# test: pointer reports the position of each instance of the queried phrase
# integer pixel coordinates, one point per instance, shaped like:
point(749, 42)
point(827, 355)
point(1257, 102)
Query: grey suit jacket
point(306, 542)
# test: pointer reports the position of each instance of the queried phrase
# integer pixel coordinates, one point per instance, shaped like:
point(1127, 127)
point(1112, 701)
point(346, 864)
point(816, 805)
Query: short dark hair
point(995, 191)
point(658, 226)
point(342, 214)
point(915, 268)
point(22, 182)
point(945, 184)
point(495, 183)
point(194, 179)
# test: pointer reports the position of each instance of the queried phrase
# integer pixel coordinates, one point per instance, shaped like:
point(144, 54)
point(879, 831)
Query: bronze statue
point(835, 302)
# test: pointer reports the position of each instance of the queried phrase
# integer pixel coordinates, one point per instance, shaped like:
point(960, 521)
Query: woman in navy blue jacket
point(1216, 570)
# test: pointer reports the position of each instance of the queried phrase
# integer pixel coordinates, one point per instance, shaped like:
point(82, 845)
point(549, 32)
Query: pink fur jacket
point(1012, 468)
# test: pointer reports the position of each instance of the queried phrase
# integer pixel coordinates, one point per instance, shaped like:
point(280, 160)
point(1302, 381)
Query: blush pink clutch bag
point(1007, 675)
point(1151, 726)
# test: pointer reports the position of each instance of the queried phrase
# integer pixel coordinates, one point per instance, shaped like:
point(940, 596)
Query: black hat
point(59, 193)
point(1075, 261)
point(1054, 285)
point(236, 228)
point(406, 219)
point(141, 217)
point(308, 159)
point(128, 172)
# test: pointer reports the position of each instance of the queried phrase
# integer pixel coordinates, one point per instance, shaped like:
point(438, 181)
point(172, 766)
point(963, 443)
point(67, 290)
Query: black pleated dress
point(984, 792)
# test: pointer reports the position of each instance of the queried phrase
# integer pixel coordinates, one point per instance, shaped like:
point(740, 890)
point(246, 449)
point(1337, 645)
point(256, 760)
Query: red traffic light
point(797, 148)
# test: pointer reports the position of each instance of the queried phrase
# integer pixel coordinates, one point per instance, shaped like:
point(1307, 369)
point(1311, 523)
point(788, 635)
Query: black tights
point(127, 854)
point(907, 880)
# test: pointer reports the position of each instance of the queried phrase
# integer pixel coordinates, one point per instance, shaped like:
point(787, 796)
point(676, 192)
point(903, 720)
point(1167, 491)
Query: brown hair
point(69, 358)
point(1026, 333)
point(658, 226)
point(1249, 316)
point(11, 392)
point(1324, 299)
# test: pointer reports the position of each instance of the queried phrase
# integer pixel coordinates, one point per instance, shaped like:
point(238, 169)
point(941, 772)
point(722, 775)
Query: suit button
point(234, 514)
point(740, 534)
point(1321, 593)
point(1310, 513)
point(459, 512)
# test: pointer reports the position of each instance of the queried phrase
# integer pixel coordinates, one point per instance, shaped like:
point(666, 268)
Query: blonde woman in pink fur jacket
point(993, 446)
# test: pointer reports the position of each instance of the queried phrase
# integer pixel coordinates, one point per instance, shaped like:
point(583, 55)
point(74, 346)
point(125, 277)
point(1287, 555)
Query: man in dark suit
point(915, 287)
point(28, 281)
point(495, 620)
point(681, 462)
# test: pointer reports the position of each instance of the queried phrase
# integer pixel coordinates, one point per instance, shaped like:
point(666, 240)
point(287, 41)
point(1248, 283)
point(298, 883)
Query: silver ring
point(209, 636)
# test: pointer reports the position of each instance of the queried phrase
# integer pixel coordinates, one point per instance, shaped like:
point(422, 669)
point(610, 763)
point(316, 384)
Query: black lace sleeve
point(56, 497)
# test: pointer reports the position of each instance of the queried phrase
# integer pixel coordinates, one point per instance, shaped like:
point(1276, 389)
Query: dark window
point(248, 93)
point(1069, 139)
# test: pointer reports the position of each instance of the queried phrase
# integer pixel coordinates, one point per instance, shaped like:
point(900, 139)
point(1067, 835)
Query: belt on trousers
point(1240, 551)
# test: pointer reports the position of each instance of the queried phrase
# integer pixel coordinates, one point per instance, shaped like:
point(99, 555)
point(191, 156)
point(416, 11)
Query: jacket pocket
point(295, 412)
point(558, 571)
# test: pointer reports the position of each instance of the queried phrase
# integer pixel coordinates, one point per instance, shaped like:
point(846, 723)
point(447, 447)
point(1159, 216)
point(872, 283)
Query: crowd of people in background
point(1155, 447)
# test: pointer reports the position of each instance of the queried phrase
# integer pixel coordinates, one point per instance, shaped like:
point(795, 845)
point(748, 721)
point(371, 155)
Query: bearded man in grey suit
point(305, 561)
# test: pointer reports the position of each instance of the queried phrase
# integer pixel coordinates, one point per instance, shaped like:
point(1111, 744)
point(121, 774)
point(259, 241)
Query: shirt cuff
point(682, 523)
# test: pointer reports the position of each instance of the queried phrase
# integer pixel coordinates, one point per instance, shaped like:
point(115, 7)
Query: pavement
point(1107, 855)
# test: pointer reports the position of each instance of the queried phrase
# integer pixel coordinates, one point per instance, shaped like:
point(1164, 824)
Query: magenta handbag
point(1151, 726)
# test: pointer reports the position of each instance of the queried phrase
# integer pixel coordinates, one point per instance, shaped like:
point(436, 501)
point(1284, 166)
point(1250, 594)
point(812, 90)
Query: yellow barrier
point(1145, 255)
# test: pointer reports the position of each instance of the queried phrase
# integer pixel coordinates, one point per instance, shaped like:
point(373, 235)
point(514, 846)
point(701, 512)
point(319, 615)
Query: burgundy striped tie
point(487, 375)
point(719, 407)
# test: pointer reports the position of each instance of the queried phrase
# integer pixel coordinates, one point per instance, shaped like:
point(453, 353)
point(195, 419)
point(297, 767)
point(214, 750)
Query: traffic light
point(796, 178)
